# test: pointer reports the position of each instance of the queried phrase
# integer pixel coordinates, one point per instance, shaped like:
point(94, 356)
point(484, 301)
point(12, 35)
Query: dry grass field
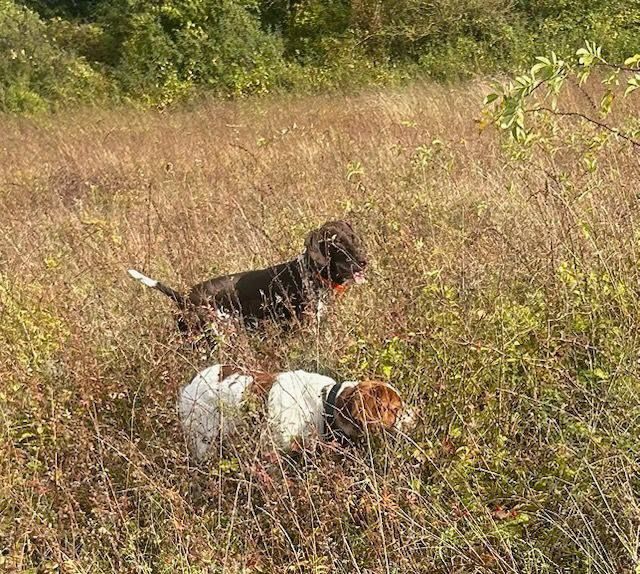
point(503, 301)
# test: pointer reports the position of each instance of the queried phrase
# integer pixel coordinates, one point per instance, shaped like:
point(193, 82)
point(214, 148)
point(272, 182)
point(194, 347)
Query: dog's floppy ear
point(374, 403)
point(316, 247)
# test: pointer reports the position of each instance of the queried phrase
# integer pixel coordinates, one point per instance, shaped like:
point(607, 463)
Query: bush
point(163, 51)
point(30, 335)
point(35, 72)
point(563, 26)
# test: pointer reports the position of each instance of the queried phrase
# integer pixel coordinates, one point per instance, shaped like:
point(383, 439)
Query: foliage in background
point(162, 51)
point(35, 71)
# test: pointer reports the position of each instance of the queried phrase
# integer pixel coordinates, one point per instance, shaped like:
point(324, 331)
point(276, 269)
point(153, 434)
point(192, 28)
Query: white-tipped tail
point(143, 278)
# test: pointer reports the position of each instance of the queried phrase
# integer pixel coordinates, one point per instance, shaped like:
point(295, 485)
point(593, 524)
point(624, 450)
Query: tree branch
point(617, 67)
point(582, 116)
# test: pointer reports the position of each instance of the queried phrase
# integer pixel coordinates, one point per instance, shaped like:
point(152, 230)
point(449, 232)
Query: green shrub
point(35, 72)
point(162, 51)
point(563, 26)
point(317, 30)
point(29, 334)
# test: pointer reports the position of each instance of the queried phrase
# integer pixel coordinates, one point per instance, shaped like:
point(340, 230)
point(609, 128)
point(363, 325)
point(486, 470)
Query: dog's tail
point(171, 293)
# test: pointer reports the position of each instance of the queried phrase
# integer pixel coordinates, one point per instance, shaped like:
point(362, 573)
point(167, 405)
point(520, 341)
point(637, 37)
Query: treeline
point(54, 52)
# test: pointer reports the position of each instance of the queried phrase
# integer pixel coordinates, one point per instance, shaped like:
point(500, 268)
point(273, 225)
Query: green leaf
point(538, 67)
point(584, 57)
point(612, 78)
point(600, 374)
point(587, 55)
point(490, 98)
point(633, 60)
point(632, 85)
point(606, 102)
point(583, 76)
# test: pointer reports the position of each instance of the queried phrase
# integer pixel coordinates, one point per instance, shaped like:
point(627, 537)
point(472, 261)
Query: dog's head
point(367, 406)
point(336, 252)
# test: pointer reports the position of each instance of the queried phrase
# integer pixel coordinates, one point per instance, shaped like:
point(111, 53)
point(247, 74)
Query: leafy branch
point(508, 106)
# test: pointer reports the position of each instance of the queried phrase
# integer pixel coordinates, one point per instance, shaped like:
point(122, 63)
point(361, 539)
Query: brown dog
point(333, 259)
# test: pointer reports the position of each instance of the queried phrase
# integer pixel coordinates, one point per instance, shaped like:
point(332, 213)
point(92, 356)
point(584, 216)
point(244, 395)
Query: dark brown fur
point(333, 255)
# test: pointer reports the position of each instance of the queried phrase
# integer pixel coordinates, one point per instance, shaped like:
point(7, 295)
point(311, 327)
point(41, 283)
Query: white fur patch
point(143, 278)
point(295, 406)
point(222, 315)
point(408, 420)
point(208, 407)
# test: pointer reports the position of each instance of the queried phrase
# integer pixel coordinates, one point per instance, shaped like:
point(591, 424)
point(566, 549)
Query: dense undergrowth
point(59, 53)
point(502, 301)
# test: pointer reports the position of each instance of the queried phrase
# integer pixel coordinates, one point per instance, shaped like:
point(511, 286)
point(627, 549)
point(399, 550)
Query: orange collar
point(337, 288)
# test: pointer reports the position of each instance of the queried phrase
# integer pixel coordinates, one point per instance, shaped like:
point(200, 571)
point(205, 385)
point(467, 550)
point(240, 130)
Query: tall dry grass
point(502, 301)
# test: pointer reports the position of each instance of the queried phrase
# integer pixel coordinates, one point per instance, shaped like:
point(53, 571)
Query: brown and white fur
point(299, 405)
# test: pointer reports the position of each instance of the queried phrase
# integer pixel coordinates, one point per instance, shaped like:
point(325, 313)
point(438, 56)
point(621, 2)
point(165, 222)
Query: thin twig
point(618, 67)
point(582, 116)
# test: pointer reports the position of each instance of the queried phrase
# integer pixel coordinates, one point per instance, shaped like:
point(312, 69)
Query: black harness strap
point(330, 411)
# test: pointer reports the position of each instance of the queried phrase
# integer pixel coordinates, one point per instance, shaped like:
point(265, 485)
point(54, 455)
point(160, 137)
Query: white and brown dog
point(299, 406)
